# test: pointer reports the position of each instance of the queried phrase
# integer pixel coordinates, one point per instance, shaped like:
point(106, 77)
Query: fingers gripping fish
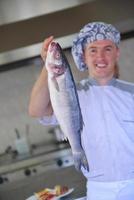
point(65, 101)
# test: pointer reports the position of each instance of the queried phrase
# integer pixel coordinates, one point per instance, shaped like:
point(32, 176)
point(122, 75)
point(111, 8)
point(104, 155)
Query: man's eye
point(92, 50)
point(108, 49)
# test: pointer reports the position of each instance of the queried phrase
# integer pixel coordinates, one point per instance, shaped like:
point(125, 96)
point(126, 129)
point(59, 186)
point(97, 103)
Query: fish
point(65, 101)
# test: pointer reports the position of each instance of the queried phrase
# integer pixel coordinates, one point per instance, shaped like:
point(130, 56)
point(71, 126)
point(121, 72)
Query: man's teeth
point(100, 65)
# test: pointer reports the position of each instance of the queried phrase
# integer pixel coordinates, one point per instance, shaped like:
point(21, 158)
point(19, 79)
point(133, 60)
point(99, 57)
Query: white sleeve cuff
point(48, 120)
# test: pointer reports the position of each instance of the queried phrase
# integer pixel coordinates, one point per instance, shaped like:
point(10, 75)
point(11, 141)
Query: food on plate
point(45, 194)
point(60, 189)
point(49, 194)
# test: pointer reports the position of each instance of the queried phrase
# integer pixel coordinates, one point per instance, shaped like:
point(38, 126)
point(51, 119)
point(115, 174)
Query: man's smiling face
point(101, 57)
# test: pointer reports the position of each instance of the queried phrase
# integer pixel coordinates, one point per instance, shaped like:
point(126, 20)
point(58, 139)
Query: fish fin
point(64, 138)
point(80, 160)
point(55, 83)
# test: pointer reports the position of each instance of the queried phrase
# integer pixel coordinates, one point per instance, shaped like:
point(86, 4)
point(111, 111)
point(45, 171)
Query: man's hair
point(116, 71)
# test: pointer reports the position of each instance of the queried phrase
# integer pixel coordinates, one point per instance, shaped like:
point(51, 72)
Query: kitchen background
point(15, 89)
point(23, 27)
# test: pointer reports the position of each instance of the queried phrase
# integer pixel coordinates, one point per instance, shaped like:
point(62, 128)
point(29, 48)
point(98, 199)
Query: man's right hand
point(45, 45)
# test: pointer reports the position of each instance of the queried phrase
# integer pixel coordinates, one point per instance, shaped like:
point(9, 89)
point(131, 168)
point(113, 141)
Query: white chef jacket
point(108, 132)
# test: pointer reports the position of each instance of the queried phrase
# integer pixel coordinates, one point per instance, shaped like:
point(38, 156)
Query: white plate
point(65, 194)
point(82, 198)
point(32, 198)
point(55, 198)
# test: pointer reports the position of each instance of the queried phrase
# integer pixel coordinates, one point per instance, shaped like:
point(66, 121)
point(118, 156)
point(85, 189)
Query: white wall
point(15, 88)
point(126, 62)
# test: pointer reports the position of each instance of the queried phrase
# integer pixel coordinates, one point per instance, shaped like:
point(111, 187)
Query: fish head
point(55, 62)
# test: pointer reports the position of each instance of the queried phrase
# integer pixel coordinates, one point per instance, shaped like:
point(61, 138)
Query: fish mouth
point(52, 47)
point(56, 63)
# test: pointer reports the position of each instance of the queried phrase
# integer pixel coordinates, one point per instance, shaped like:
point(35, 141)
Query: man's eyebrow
point(94, 47)
point(109, 46)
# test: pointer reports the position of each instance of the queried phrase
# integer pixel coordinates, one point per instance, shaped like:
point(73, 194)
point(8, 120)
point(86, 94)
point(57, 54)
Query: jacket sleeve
point(48, 120)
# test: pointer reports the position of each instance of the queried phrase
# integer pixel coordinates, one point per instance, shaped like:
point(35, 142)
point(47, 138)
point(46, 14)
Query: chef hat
point(89, 33)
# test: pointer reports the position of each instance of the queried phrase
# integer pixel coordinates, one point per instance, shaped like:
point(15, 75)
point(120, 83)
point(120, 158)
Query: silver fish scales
point(65, 102)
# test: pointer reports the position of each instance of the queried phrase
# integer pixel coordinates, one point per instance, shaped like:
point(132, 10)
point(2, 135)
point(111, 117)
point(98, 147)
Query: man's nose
point(100, 54)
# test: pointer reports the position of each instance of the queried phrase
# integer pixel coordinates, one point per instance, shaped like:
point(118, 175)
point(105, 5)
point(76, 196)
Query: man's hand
point(80, 160)
point(45, 45)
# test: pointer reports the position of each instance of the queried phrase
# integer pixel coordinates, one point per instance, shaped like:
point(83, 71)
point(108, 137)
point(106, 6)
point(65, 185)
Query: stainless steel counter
point(42, 169)
point(41, 159)
point(27, 161)
point(21, 190)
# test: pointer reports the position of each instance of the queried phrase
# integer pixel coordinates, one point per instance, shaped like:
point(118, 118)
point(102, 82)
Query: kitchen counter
point(49, 172)
point(68, 176)
point(38, 155)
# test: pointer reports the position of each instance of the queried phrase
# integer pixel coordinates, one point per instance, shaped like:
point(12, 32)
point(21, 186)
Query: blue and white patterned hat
point(89, 33)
